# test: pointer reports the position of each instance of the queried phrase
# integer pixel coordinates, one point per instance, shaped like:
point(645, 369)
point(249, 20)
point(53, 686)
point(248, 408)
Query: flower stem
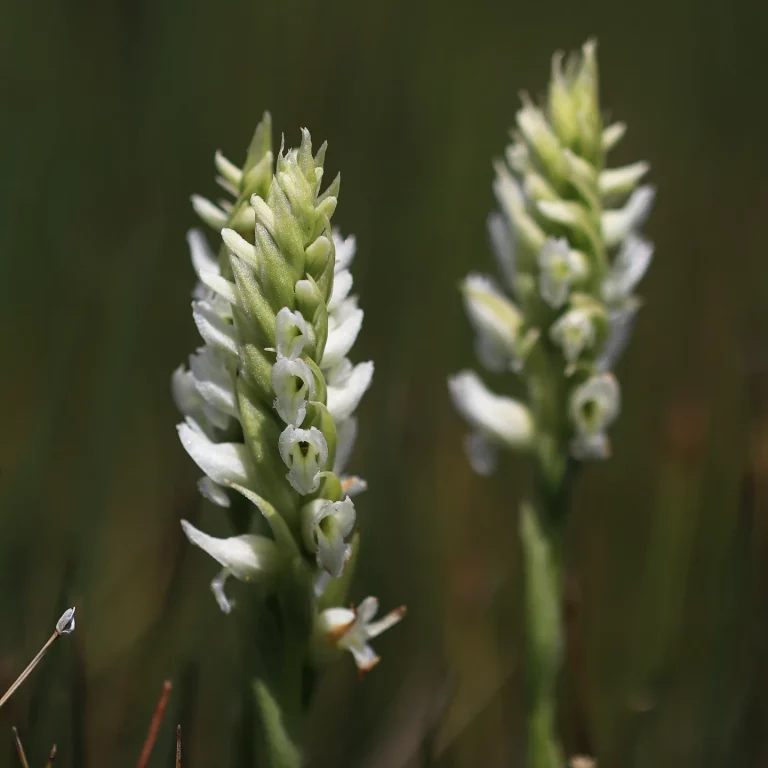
point(542, 532)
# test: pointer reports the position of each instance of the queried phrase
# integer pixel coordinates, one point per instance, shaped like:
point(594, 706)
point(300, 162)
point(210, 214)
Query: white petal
point(220, 286)
point(240, 247)
point(342, 285)
point(346, 432)
point(322, 580)
point(331, 553)
point(512, 201)
point(595, 405)
point(214, 329)
point(291, 400)
point(341, 338)
point(367, 609)
point(628, 268)
point(595, 446)
point(213, 492)
point(558, 268)
point(212, 215)
point(573, 332)
point(339, 375)
point(203, 258)
point(353, 485)
point(365, 657)
point(243, 556)
point(213, 381)
point(612, 135)
point(325, 524)
point(292, 333)
point(344, 399)
point(305, 453)
point(621, 181)
point(217, 587)
point(335, 621)
point(622, 322)
point(503, 245)
point(374, 629)
point(495, 319)
point(500, 418)
point(616, 225)
point(345, 249)
point(481, 453)
point(223, 462)
point(228, 169)
point(184, 390)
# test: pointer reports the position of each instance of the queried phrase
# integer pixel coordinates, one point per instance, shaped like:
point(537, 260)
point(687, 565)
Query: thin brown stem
point(64, 626)
point(32, 664)
point(178, 746)
point(154, 727)
point(51, 757)
point(20, 749)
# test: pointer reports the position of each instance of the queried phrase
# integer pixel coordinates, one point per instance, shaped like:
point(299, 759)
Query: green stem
point(283, 729)
point(282, 687)
point(541, 532)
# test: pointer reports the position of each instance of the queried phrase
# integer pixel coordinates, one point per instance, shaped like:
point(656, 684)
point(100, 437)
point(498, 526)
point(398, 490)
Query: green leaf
point(283, 750)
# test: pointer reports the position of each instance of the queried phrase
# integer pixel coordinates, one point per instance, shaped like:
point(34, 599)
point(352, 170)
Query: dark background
point(111, 112)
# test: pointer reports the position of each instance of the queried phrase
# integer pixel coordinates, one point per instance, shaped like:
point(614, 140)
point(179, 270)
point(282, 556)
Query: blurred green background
point(111, 112)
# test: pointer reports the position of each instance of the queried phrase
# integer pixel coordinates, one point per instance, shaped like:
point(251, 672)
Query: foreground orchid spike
point(269, 404)
point(567, 241)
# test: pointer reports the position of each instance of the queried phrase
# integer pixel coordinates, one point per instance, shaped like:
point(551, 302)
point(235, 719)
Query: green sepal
point(262, 432)
point(320, 156)
point(583, 177)
point(332, 190)
point(328, 206)
point(277, 524)
point(309, 301)
point(304, 156)
point(324, 280)
point(337, 590)
point(258, 180)
point(317, 254)
point(321, 388)
point(330, 488)
point(288, 232)
point(318, 416)
point(597, 314)
point(562, 107)
point(254, 301)
point(276, 278)
point(261, 143)
point(587, 97)
point(242, 219)
point(256, 367)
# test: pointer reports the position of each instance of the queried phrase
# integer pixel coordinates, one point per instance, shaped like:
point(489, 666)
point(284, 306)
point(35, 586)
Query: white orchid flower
point(559, 267)
point(294, 384)
point(305, 453)
point(574, 332)
point(351, 629)
point(325, 526)
point(496, 321)
point(244, 557)
point(594, 406)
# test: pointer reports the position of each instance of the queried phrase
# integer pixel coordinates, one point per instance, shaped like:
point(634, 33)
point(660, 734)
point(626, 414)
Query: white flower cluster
point(567, 243)
point(269, 399)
